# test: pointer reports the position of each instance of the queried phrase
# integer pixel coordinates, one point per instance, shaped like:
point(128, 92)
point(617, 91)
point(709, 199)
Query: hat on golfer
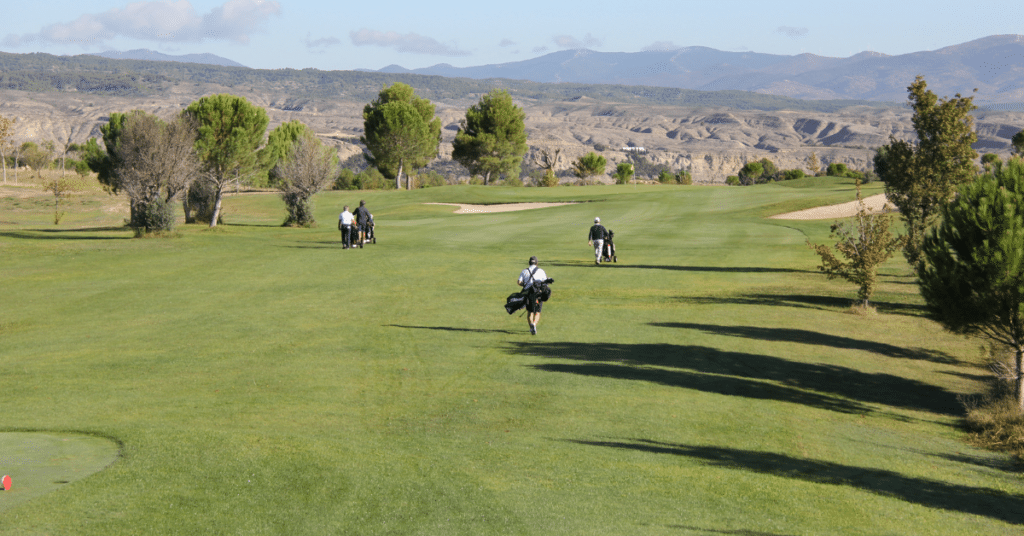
point(533, 260)
point(597, 220)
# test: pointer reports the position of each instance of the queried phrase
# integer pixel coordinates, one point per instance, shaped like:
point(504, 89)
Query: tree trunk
point(398, 178)
point(187, 208)
point(216, 206)
point(1020, 379)
point(487, 178)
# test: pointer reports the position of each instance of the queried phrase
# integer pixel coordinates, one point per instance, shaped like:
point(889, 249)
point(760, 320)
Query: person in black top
point(362, 215)
point(596, 239)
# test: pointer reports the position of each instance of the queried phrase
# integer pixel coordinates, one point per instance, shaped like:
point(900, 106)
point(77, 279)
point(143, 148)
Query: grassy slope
point(262, 380)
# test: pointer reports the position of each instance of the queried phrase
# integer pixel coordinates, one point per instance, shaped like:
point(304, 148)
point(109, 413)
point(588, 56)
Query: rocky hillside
point(713, 142)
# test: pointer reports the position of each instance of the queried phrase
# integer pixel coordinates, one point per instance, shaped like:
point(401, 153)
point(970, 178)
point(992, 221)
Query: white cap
point(597, 220)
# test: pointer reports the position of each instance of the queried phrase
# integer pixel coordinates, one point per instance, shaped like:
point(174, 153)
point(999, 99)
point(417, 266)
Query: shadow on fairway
point(448, 328)
point(813, 337)
point(823, 303)
point(65, 234)
point(736, 532)
point(753, 376)
point(722, 269)
point(992, 503)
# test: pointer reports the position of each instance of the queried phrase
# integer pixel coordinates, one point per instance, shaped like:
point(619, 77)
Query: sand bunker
point(874, 203)
point(488, 209)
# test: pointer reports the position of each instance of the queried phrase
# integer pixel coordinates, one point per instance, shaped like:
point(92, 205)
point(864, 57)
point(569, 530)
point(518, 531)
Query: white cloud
point(321, 42)
point(659, 46)
point(411, 42)
point(568, 41)
point(164, 21)
point(790, 31)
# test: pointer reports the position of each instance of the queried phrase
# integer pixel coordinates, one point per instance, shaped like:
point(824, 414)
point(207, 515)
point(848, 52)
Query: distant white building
point(634, 149)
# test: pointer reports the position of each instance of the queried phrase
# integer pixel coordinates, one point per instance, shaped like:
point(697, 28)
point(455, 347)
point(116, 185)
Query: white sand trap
point(488, 209)
point(874, 203)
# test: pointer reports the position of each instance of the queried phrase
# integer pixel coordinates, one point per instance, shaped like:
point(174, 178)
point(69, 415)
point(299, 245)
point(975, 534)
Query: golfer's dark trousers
point(346, 235)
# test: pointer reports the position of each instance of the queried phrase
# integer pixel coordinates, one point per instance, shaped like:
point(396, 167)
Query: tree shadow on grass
point(763, 377)
point(722, 269)
point(736, 532)
point(813, 337)
point(448, 328)
point(823, 303)
point(987, 502)
point(66, 234)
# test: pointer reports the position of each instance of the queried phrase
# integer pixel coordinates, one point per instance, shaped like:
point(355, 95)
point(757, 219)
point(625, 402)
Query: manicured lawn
point(261, 380)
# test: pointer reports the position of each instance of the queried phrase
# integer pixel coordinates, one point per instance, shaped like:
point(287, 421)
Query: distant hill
point(994, 65)
point(150, 55)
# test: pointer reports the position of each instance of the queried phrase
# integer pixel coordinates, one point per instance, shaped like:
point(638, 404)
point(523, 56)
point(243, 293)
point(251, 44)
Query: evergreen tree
point(400, 131)
point(231, 129)
point(972, 279)
point(492, 140)
point(589, 165)
point(921, 176)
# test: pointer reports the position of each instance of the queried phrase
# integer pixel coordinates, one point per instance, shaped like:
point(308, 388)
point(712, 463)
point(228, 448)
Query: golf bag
point(608, 251)
point(515, 302)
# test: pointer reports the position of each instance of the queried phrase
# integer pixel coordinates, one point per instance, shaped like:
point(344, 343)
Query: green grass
point(261, 380)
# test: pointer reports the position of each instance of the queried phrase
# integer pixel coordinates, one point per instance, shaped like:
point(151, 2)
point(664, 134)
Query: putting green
point(40, 463)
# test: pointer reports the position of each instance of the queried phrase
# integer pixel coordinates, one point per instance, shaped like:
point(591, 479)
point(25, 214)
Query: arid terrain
point(711, 142)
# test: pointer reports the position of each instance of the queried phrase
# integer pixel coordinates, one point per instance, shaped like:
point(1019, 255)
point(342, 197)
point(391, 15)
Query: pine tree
point(400, 131)
point(492, 140)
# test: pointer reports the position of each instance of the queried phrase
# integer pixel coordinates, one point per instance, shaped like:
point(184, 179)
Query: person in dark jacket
point(362, 215)
point(596, 239)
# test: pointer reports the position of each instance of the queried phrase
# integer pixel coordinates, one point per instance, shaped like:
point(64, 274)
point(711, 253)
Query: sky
point(370, 34)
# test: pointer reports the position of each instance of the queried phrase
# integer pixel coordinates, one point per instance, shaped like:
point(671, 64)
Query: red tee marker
point(7, 483)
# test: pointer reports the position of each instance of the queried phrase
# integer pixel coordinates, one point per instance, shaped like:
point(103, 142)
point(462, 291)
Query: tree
point(990, 162)
point(922, 176)
point(231, 129)
point(865, 246)
point(548, 162)
point(812, 164)
point(400, 131)
point(623, 172)
point(310, 167)
point(1018, 143)
point(972, 279)
point(6, 143)
point(37, 156)
point(60, 187)
point(156, 161)
point(751, 173)
point(589, 165)
point(492, 140)
point(280, 143)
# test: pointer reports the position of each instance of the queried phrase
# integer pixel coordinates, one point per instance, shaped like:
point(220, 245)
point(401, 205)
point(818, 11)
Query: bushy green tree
point(280, 143)
point(751, 173)
point(684, 177)
point(231, 130)
point(623, 173)
point(836, 169)
point(666, 177)
point(990, 162)
point(1018, 143)
point(492, 140)
point(921, 176)
point(864, 245)
point(589, 165)
point(792, 174)
point(400, 131)
point(972, 277)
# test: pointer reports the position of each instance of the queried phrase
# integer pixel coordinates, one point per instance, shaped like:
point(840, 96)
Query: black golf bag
point(538, 290)
point(608, 251)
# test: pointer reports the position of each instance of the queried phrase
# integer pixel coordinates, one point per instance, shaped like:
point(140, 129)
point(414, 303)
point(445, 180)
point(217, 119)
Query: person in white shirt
point(345, 226)
point(532, 274)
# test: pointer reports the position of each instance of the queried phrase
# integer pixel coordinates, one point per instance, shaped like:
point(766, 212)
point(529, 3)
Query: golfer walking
point(345, 226)
point(527, 279)
point(596, 239)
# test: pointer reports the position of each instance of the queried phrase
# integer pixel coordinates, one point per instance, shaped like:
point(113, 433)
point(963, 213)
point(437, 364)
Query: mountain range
point(994, 65)
point(150, 55)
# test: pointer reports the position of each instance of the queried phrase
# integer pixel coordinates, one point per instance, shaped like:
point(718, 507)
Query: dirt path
point(874, 203)
point(487, 209)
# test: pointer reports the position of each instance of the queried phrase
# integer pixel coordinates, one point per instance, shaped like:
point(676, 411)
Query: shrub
point(156, 216)
point(792, 174)
point(200, 199)
point(549, 179)
point(430, 179)
point(751, 173)
point(684, 177)
point(346, 180)
point(600, 147)
point(372, 179)
point(666, 177)
point(836, 169)
point(732, 180)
